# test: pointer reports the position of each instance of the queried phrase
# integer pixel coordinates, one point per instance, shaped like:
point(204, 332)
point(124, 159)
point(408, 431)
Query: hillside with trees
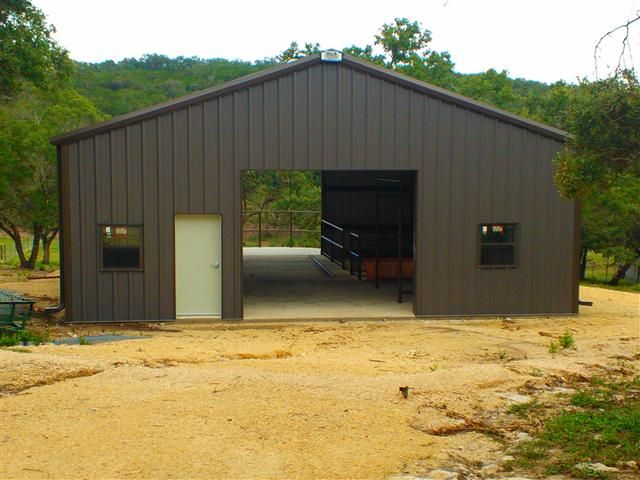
point(43, 93)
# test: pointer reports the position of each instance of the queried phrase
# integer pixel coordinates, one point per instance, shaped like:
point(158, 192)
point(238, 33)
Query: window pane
point(497, 233)
point(121, 246)
point(497, 255)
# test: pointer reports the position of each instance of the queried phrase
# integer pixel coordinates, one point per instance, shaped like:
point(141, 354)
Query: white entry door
point(198, 265)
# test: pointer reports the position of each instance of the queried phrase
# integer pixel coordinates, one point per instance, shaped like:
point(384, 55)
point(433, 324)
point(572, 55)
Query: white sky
point(544, 40)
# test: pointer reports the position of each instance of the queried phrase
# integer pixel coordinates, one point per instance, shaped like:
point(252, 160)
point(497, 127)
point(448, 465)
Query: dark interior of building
point(369, 215)
point(365, 233)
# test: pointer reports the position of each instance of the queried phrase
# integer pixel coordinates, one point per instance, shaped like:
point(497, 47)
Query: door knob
point(215, 265)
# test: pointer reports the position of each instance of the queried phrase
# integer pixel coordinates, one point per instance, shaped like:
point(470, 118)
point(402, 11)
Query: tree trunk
point(621, 271)
point(47, 240)
point(583, 263)
point(14, 233)
point(35, 248)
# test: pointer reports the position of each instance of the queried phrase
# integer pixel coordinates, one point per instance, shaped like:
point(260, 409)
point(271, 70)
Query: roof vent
point(331, 56)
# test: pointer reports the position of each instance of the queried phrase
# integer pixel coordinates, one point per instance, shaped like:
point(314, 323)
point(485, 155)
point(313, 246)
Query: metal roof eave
point(186, 100)
point(454, 98)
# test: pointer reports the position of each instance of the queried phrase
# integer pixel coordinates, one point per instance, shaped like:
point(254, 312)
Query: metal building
point(489, 233)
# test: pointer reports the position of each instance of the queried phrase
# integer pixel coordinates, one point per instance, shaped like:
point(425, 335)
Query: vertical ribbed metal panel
point(166, 214)
point(151, 201)
point(470, 169)
point(88, 247)
point(196, 161)
point(228, 176)
point(529, 241)
point(358, 134)
point(104, 216)
point(68, 225)
point(211, 158)
point(472, 193)
point(74, 234)
point(301, 119)
point(119, 212)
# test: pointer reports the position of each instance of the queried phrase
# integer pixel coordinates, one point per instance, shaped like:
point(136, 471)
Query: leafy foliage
point(603, 117)
point(566, 340)
point(294, 52)
point(24, 337)
point(601, 165)
point(612, 219)
point(402, 41)
point(603, 427)
point(274, 190)
point(130, 84)
point(28, 51)
point(28, 177)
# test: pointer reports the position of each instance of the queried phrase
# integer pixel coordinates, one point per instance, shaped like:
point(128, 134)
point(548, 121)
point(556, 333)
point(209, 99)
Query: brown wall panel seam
point(157, 212)
point(79, 220)
point(188, 158)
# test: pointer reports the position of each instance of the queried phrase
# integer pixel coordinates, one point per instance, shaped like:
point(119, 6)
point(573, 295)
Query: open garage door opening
point(330, 244)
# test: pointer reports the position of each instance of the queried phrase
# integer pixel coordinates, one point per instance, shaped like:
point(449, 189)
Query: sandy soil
point(45, 290)
point(292, 400)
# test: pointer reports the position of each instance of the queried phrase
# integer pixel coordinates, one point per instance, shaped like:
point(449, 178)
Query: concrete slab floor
point(284, 283)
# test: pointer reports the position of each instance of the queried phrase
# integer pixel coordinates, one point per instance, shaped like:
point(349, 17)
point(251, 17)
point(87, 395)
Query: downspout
point(60, 307)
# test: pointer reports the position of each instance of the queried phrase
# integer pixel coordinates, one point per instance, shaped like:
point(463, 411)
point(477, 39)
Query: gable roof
point(284, 69)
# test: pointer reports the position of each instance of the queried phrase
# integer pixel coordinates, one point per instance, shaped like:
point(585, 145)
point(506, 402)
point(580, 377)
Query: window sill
point(108, 270)
point(497, 267)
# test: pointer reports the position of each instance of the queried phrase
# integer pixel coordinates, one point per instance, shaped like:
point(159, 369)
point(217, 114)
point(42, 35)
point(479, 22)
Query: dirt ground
point(294, 400)
point(43, 287)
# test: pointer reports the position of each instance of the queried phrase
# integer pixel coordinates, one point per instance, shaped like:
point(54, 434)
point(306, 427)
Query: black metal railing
point(285, 224)
point(332, 242)
point(355, 252)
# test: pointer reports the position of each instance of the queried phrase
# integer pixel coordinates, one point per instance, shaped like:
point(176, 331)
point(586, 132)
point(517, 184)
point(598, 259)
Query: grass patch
point(566, 340)
point(623, 286)
point(599, 272)
point(604, 428)
point(563, 342)
point(525, 409)
point(84, 341)
point(25, 337)
point(12, 259)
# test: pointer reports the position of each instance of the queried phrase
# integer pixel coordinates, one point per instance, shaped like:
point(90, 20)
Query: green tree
point(600, 165)
point(293, 52)
point(365, 53)
point(272, 190)
point(117, 88)
point(491, 87)
point(406, 49)
point(401, 40)
point(611, 224)
point(603, 118)
point(28, 51)
point(28, 190)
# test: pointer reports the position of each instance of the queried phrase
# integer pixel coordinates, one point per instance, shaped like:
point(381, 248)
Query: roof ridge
point(278, 70)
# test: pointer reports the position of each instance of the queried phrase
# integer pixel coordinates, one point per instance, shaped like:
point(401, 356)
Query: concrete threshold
point(284, 284)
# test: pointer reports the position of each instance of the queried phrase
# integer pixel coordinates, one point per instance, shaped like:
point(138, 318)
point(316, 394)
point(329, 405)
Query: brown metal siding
point(471, 168)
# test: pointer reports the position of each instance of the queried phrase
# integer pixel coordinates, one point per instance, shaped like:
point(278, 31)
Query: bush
point(9, 339)
point(566, 340)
